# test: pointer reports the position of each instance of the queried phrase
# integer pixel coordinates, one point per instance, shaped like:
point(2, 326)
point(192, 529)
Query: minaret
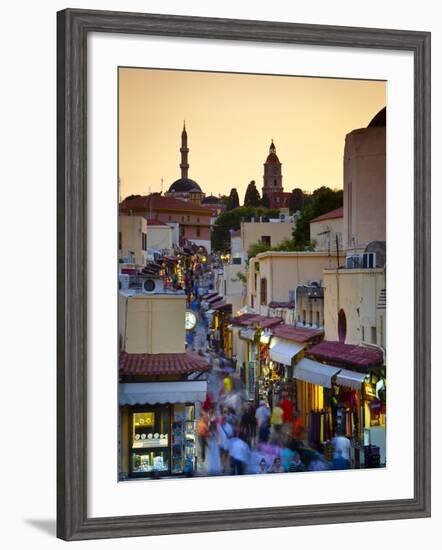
point(272, 173)
point(184, 152)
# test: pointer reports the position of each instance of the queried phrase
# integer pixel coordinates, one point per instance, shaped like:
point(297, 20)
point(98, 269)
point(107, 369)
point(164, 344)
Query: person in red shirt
point(286, 405)
point(298, 427)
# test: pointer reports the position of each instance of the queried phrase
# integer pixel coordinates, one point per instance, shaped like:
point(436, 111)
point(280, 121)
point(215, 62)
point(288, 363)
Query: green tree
point(265, 201)
point(322, 200)
point(287, 245)
point(257, 248)
point(252, 196)
point(233, 200)
point(224, 199)
point(296, 201)
point(130, 197)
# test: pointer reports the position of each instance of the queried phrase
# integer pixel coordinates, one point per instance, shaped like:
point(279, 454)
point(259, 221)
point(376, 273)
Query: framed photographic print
point(229, 192)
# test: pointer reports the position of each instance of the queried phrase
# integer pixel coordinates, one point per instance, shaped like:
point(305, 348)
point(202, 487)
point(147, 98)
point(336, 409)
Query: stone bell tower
point(272, 173)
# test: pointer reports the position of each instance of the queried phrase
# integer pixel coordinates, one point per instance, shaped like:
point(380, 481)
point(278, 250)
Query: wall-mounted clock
point(191, 319)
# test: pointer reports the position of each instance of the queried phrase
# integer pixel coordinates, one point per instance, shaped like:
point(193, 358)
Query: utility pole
point(337, 276)
point(337, 251)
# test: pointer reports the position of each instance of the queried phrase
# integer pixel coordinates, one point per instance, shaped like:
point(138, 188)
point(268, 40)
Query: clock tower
point(272, 173)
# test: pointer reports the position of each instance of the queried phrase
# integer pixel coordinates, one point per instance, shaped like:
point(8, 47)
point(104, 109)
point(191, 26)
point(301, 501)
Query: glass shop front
point(162, 440)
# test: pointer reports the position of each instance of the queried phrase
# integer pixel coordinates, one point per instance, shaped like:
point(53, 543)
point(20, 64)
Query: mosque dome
point(184, 185)
point(211, 199)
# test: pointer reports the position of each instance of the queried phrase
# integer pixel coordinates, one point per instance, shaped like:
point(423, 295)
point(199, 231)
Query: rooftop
point(347, 354)
point(145, 364)
point(211, 199)
point(158, 202)
point(151, 221)
point(184, 185)
point(333, 214)
point(293, 254)
point(298, 334)
point(252, 319)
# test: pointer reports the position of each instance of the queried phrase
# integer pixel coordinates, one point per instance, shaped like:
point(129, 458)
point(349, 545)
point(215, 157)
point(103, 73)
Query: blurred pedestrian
point(245, 425)
point(276, 467)
point(202, 429)
point(225, 430)
point(341, 447)
point(276, 420)
point(339, 462)
point(318, 463)
point(296, 465)
point(262, 414)
point(262, 469)
point(214, 466)
point(239, 456)
point(286, 405)
point(298, 426)
point(287, 456)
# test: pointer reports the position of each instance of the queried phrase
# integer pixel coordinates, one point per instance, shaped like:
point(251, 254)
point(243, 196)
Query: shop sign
point(369, 390)
point(251, 366)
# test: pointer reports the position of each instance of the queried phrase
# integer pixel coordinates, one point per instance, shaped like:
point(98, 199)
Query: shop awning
point(314, 372)
point(247, 334)
point(283, 351)
point(350, 379)
point(214, 299)
point(142, 393)
point(221, 306)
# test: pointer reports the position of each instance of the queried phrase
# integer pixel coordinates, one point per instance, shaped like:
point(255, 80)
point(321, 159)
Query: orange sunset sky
point(230, 121)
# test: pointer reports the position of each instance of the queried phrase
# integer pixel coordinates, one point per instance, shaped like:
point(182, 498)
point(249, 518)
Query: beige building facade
point(132, 239)
point(271, 233)
point(274, 276)
point(160, 237)
point(230, 286)
point(361, 295)
point(325, 229)
point(152, 323)
point(364, 218)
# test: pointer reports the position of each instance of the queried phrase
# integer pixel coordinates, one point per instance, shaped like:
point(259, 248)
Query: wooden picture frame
point(73, 28)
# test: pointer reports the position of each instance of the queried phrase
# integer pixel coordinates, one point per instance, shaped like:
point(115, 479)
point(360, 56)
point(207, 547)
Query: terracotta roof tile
point(333, 214)
point(149, 221)
point(347, 354)
point(297, 334)
point(252, 319)
point(222, 305)
point(158, 202)
point(145, 364)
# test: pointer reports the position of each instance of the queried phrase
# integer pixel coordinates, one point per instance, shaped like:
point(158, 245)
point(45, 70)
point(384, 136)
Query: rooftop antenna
point(161, 185)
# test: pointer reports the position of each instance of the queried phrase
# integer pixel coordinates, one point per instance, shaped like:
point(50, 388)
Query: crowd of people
point(248, 440)
point(236, 437)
